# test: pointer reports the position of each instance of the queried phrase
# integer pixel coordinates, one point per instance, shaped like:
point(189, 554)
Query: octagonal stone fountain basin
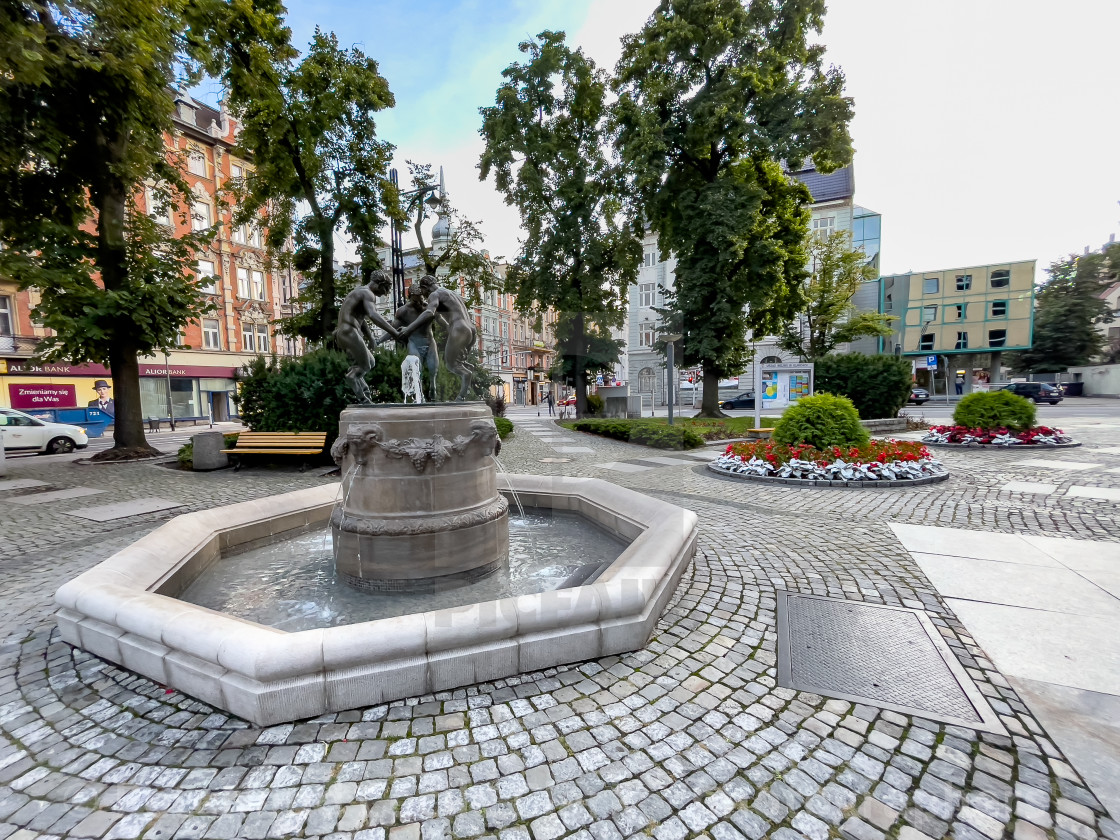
point(126, 610)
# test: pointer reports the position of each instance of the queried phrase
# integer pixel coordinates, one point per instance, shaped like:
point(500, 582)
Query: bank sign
point(33, 395)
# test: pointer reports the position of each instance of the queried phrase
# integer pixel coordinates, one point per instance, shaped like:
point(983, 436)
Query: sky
point(985, 130)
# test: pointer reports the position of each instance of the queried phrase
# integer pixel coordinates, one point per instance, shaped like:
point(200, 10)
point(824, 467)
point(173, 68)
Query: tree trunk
point(709, 406)
point(128, 422)
point(328, 312)
point(580, 371)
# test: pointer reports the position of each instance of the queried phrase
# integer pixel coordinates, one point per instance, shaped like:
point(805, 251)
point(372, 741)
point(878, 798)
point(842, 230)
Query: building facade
point(966, 317)
point(196, 380)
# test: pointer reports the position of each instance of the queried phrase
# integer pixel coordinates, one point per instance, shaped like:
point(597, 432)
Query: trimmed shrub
point(656, 435)
point(823, 420)
point(995, 410)
point(504, 427)
point(595, 405)
point(878, 386)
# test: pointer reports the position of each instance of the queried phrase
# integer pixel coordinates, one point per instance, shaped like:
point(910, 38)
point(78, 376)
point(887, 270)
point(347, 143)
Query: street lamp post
point(396, 248)
point(170, 405)
point(670, 350)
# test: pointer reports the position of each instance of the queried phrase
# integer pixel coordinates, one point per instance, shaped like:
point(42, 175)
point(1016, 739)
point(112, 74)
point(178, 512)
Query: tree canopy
point(85, 103)
point(828, 317)
point(546, 140)
point(1068, 308)
point(712, 95)
point(318, 166)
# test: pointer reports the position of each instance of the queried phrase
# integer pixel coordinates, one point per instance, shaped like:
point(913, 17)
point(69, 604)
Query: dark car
point(919, 395)
point(743, 400)
point(1038, 391)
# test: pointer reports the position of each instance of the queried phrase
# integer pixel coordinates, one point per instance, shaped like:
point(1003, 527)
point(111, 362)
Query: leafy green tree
point(1068, 308)
point(460, 253)
point(828, 317)
point(85, 102)
point(318, 166)
point(545, 140)
point(712, 93)
point(878, 385)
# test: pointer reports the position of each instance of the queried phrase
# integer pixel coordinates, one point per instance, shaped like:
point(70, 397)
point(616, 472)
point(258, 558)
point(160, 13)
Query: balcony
point(18, 346)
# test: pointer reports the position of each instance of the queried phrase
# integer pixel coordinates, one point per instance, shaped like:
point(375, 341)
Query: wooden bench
point(762, 433)
point(277, 443)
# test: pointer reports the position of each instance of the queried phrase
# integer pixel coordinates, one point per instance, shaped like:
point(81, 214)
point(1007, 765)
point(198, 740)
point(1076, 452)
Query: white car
point(23, 433)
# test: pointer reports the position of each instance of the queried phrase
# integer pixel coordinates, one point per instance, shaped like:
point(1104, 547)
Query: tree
point(84, 105)
point(545, 140)
point(1068, 306)
point(828, 317)
point(318, 166)
point(460, 252)
point(878, 385)
point(712, 93)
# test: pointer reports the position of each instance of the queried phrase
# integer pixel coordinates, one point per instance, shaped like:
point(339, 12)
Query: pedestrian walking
point(551, 403)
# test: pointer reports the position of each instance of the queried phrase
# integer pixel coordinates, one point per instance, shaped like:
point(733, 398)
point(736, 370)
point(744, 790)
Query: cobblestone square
point(689, 737)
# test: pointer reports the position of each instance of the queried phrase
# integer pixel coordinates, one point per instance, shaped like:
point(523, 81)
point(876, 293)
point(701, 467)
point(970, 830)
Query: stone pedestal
point(420, 504)
point(208, 453)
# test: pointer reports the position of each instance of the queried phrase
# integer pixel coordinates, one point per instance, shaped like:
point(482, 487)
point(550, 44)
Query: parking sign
point(931, 362)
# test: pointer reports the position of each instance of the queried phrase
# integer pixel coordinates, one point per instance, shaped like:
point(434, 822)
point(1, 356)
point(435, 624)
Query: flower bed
point(965, 436)
point(884, 463)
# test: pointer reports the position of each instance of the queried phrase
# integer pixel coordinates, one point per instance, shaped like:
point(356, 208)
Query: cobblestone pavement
point(689, 737)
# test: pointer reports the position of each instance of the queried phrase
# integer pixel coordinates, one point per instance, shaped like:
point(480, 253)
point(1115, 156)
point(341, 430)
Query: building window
point(262, 338)
point(158, 209)
point(238, 234)
point(236, 170)
point(256, 236)
point(999, 309)
point(929, 314)
point(649, 258)
point(824, 225)
point(960, 309)
point(997, 338)
point(1001, 278)
point(258, 285)
point(247, 333)
point(964, 282)
point(211, 334)
point(646, 293)
point(962, 341)
point(645, 380)
point(205, 271)
point(243, 283)
point(200, 215)
point(196, 161)
point(931, 285)
point(888, 304)
point(926, 342)
point(645, 334)
point(6, 315)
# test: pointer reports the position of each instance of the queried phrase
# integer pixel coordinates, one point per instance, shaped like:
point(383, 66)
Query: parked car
point(24, 433)
point(743, 400)
point(918, 395)
point(568, 401)
point(1038, 391)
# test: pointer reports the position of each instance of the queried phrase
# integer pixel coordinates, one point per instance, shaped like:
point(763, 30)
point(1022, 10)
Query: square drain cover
point(890, 657)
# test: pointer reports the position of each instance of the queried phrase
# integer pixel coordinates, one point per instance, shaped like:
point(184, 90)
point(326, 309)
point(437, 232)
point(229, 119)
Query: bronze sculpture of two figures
point(411, 325)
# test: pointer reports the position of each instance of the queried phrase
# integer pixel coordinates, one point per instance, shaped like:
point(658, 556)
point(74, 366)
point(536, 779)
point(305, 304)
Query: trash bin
point(208, 453)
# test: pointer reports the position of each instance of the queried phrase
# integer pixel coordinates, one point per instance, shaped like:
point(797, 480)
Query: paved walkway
point(690, 737)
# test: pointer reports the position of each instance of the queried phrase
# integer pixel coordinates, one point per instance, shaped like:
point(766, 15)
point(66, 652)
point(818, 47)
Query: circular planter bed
point(961, 437)
point(880, 463)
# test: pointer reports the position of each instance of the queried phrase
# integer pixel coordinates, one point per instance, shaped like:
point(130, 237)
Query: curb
point(813, 482)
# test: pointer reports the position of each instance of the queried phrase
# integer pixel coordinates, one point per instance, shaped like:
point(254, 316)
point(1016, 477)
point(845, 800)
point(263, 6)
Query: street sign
point(931, 362)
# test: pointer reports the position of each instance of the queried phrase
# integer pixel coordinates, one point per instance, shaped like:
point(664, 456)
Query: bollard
point(208, 453)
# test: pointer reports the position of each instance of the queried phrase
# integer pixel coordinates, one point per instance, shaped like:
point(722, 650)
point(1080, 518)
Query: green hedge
point(657, 435)
point(504, 427)
point(822, 420)
point(878, 386)
point(994, 410)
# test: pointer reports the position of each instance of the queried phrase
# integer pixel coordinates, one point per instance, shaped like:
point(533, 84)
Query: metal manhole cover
point(891, 657)
point(555, 460)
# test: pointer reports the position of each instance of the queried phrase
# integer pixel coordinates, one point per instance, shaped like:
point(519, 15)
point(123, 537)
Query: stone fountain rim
point(123, 610)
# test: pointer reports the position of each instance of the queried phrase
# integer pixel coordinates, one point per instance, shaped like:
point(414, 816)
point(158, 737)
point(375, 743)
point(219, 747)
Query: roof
point(834, 186)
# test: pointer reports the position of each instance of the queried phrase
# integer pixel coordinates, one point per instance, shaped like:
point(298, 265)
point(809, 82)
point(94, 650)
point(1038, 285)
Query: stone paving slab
point(1029, 487)
point(20, 484)
point(622, 466)
point(119, 510)
point(1057, 464)
point(55, 496)
point(1110, 493)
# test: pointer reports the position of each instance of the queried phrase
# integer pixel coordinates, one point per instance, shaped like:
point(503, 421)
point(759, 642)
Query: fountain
point(421, 509)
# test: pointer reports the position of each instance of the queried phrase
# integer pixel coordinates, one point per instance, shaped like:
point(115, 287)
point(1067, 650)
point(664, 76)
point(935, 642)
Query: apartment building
point(247, 292)
point(965, 316)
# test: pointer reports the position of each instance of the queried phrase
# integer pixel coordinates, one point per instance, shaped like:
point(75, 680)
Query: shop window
point(997, 338)
point(931, 285)
point(926, 342)
point(962, 341)
point(1001, 278)
point(999, 309)
point(211, 334)
point(205, 272)
point(964, 282)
